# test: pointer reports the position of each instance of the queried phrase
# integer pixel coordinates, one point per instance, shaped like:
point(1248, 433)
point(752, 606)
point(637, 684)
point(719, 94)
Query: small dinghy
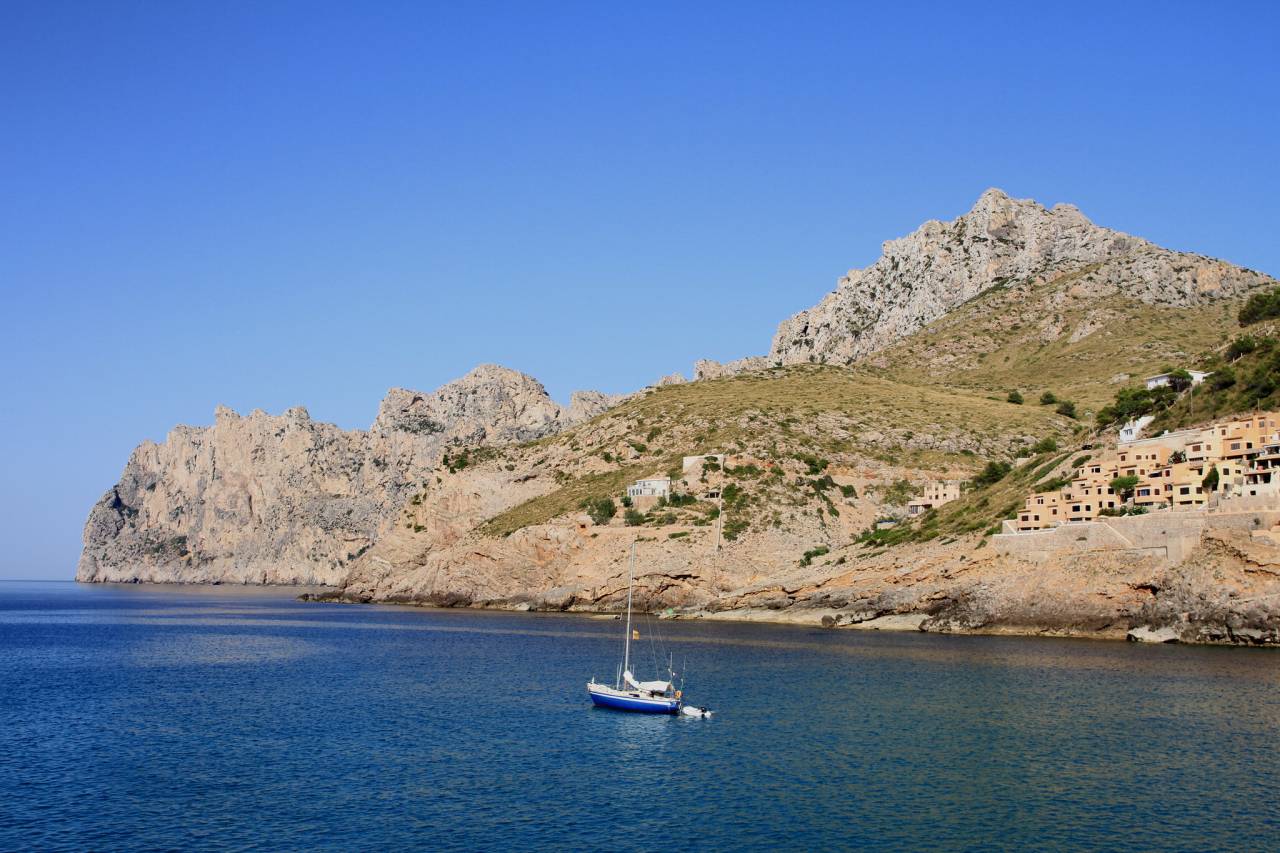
point(629, 693)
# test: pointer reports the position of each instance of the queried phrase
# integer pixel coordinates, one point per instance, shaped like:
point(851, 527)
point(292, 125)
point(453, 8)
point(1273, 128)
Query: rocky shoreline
point(1229, 632)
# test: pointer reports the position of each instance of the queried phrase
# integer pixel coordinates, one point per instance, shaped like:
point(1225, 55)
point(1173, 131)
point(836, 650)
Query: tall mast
point(626, 646)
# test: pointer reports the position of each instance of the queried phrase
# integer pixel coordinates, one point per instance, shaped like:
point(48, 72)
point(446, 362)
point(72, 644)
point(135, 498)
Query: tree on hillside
point(1261, 306)
point(1124, 486)
point(1048, 398)
point(1242, 345)
point(1067, 408)
point(1180, 379)
point(1210, 481)
point(1133, 403)
point(899, 492)
point(600, 509)
point(992, 474)
point(1014, 397)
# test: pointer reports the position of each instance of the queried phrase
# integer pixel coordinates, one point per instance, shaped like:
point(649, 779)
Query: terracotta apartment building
point(1170, 471)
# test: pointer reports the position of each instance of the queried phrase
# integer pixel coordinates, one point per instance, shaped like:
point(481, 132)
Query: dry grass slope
point(782, 414)
point(1020, 336)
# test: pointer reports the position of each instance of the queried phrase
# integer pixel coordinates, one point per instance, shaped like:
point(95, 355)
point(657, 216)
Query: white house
point(1162, 379)
point(653, 487)
point(1133, 429)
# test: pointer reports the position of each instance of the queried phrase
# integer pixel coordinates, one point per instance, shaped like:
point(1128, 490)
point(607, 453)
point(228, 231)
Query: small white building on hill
point(645, 493)
point(1162, 379)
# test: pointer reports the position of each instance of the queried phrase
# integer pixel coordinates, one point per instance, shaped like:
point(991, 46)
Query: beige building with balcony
point(935, 494)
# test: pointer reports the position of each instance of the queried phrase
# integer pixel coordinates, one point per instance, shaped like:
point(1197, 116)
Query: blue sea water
point(151, 718)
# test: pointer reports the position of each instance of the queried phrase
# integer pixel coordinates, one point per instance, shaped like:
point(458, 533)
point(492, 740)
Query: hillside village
point(1184, 469)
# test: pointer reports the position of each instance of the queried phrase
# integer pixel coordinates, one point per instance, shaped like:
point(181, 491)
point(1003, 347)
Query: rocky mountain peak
point(920, 277)
point(490, 403)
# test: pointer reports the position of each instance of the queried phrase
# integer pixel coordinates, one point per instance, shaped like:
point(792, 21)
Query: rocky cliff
point(284, 499)
point(943, 265)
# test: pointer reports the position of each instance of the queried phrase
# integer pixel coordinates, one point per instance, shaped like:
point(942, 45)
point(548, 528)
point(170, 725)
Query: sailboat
point(628, 693)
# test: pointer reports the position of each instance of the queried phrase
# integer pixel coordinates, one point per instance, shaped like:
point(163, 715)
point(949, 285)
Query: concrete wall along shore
point(1169, 535)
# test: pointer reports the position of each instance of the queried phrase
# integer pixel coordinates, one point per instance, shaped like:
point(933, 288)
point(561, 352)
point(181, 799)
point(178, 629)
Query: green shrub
point(600, 509)
point(1132, 403)
point(815, 465)
point(1014, 397)
point(633, 518)
point(899, 492)
point(813, 552)
point(1048, 398)
point(1051, 485)
point(1242, 345)
point(821, 484)
point(1066, 408)
point(1260, 306)
point(1222, 379)
point(849, 491)
point(992, 474)
point(1180, 379)
point(734, 527)
point(1044, 445)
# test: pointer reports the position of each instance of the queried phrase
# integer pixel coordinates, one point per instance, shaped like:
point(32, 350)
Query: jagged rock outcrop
point(284, 499)
point(705, 368)
point(942, 265)
point(585, 405)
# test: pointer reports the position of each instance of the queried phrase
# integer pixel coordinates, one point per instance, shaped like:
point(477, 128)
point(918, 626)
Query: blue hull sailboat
point(627, 693)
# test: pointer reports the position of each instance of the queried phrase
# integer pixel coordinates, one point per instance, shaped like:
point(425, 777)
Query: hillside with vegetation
point(1035, 336)
point(1243, 368)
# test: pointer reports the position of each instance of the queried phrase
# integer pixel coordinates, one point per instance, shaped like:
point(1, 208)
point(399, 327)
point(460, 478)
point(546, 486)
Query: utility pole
point(719, 515)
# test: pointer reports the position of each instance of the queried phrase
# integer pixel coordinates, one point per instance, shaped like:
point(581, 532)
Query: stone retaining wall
point(1169, 536)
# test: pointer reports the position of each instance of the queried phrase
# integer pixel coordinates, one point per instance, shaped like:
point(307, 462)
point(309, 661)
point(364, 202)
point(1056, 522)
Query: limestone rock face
point(284, 499)
point(489, 403)
point(705, 368)
point(922, 276)
point(585, 405)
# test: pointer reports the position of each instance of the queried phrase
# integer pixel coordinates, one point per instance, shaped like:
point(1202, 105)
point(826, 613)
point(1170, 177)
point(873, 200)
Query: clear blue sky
point(271, 204)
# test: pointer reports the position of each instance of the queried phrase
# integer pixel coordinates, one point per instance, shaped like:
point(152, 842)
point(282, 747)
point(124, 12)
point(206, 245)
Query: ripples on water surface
point(145, 718)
